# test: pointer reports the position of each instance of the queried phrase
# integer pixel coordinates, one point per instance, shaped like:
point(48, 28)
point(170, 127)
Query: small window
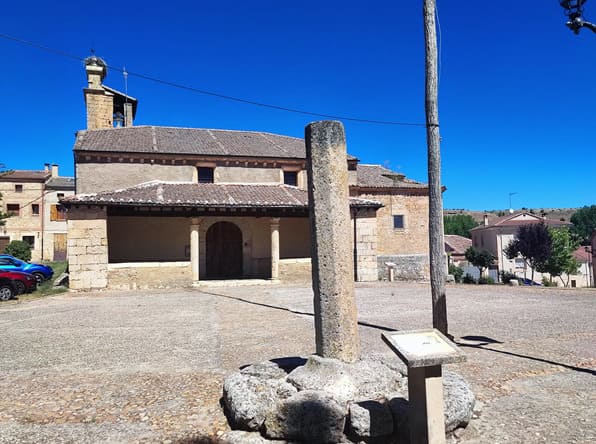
point(13, 209)
point(291, 178)
point(398, 221)
point(18, 188)
point(30, 240)
point(205, 175)
point(35, 209)
point(60, 196)
point(57, 212)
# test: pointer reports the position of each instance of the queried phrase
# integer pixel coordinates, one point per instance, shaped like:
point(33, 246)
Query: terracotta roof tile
point(157, 193)
point(208, 142)
point(376, 176)
point(457, 244)
point(15, 175)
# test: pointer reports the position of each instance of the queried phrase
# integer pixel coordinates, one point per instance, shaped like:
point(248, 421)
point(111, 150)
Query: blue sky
point(516, 93)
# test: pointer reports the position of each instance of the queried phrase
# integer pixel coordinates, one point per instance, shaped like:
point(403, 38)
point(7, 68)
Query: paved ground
point(148, 366)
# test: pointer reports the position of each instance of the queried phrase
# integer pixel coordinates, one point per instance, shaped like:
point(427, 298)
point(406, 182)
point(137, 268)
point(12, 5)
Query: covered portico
point(164, 234)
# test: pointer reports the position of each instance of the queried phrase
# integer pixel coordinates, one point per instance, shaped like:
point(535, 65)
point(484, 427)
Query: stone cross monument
point(336, 323)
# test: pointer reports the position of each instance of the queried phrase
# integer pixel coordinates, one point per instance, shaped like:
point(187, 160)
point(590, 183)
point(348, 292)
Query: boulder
point(61, 281)
point(308, 416)
point(370, 419)
point(242, 437)
point(248, 399)
point(458, 401)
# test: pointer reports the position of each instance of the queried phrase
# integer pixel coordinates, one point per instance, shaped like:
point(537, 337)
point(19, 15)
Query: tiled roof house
point(157, 206)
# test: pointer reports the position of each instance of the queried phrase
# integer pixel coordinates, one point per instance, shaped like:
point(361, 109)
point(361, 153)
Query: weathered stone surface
point(308, 416)
point(374, 379)
point(248, 399)
point(242, 437)
point(458, 401)
point(370, 419)
point(265, 370)
point(325, 374)
point(336, 323)
point(307, 400)
point(400, 409)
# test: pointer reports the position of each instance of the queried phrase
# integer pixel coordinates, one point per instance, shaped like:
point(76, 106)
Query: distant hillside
point(550, 213)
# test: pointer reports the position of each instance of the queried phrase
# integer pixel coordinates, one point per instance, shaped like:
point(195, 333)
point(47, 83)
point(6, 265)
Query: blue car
point(10, 263)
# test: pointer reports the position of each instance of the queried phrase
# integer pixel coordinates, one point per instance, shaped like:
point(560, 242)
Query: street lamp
point(573, 10)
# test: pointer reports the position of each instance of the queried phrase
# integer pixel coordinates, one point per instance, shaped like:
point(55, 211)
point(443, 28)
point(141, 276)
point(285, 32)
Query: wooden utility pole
point(433, 140)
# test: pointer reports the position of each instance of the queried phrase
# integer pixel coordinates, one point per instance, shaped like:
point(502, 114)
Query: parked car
point(7, 288)
point(22, 282)
point(11, 263)
point(526, 281)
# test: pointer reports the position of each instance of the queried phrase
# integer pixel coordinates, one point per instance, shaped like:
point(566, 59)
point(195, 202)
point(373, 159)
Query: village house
point(31, 198)
point(455, 247)
point(496, 236)
point(162, 206)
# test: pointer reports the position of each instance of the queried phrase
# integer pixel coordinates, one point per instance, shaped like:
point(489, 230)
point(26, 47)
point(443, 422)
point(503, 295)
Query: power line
point(210, 93)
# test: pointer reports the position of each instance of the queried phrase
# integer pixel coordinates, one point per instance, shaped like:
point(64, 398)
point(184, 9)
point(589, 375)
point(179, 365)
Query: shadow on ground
point(483, 341)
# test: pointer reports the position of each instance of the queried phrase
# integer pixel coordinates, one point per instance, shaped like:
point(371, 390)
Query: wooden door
point(59, 246)
point(224, 251)
point(4, 241)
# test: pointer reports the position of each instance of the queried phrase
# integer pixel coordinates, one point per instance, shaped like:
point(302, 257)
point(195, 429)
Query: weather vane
point(573, 10)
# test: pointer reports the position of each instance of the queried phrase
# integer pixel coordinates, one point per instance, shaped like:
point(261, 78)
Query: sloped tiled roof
point(16, 175)
point(511, 221)
point(457, 244)
point(376, 176)
point(191, 141)
point(581, 255)
point(61, 183)
point(210, 195)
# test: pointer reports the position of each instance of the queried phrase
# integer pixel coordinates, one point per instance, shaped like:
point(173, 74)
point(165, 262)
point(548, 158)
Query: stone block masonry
point(336, 323)
point(87, 248)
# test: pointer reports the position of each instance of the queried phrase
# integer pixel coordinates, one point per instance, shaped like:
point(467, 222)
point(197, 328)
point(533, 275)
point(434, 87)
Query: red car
point(15, 282)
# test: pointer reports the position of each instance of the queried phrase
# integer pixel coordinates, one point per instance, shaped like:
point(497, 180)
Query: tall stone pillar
point(194, 248)
point(275, 248)
point(336, 322)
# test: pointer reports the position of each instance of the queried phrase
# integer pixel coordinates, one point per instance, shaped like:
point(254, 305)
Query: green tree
point(19, 249)
point(459, 224)
point(561, 261)
point(533, 243)
point(479, 258)
point(584, 223)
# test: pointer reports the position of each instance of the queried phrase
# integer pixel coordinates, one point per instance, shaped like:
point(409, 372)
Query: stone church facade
point(162, 206)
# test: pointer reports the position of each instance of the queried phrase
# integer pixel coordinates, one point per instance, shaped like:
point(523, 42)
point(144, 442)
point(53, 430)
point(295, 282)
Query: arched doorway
point(224, 251)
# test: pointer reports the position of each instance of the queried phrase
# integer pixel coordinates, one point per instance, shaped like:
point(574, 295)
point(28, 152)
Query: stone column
point(194, 248)
point(275, 248)
point(336, 323)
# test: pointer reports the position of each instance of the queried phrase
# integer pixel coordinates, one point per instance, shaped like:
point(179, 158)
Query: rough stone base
point(409, 267)
point(321, 400)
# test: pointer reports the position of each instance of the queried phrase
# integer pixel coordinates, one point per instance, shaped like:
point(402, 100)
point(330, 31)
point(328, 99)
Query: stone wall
point(413, 238)
point(366, 246)
point(247, 175)
point(408, 267)
point(87, 248)
point(91, 177)
point(295, 271)
point(100, 109)
point(139, 276)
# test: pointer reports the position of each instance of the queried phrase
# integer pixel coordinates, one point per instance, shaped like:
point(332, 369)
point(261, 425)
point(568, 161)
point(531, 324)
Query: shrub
point(506, 276)
point(468, 279)
point(486, 281)
point(19, 249)
point(548, 283)
point(456, 272)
